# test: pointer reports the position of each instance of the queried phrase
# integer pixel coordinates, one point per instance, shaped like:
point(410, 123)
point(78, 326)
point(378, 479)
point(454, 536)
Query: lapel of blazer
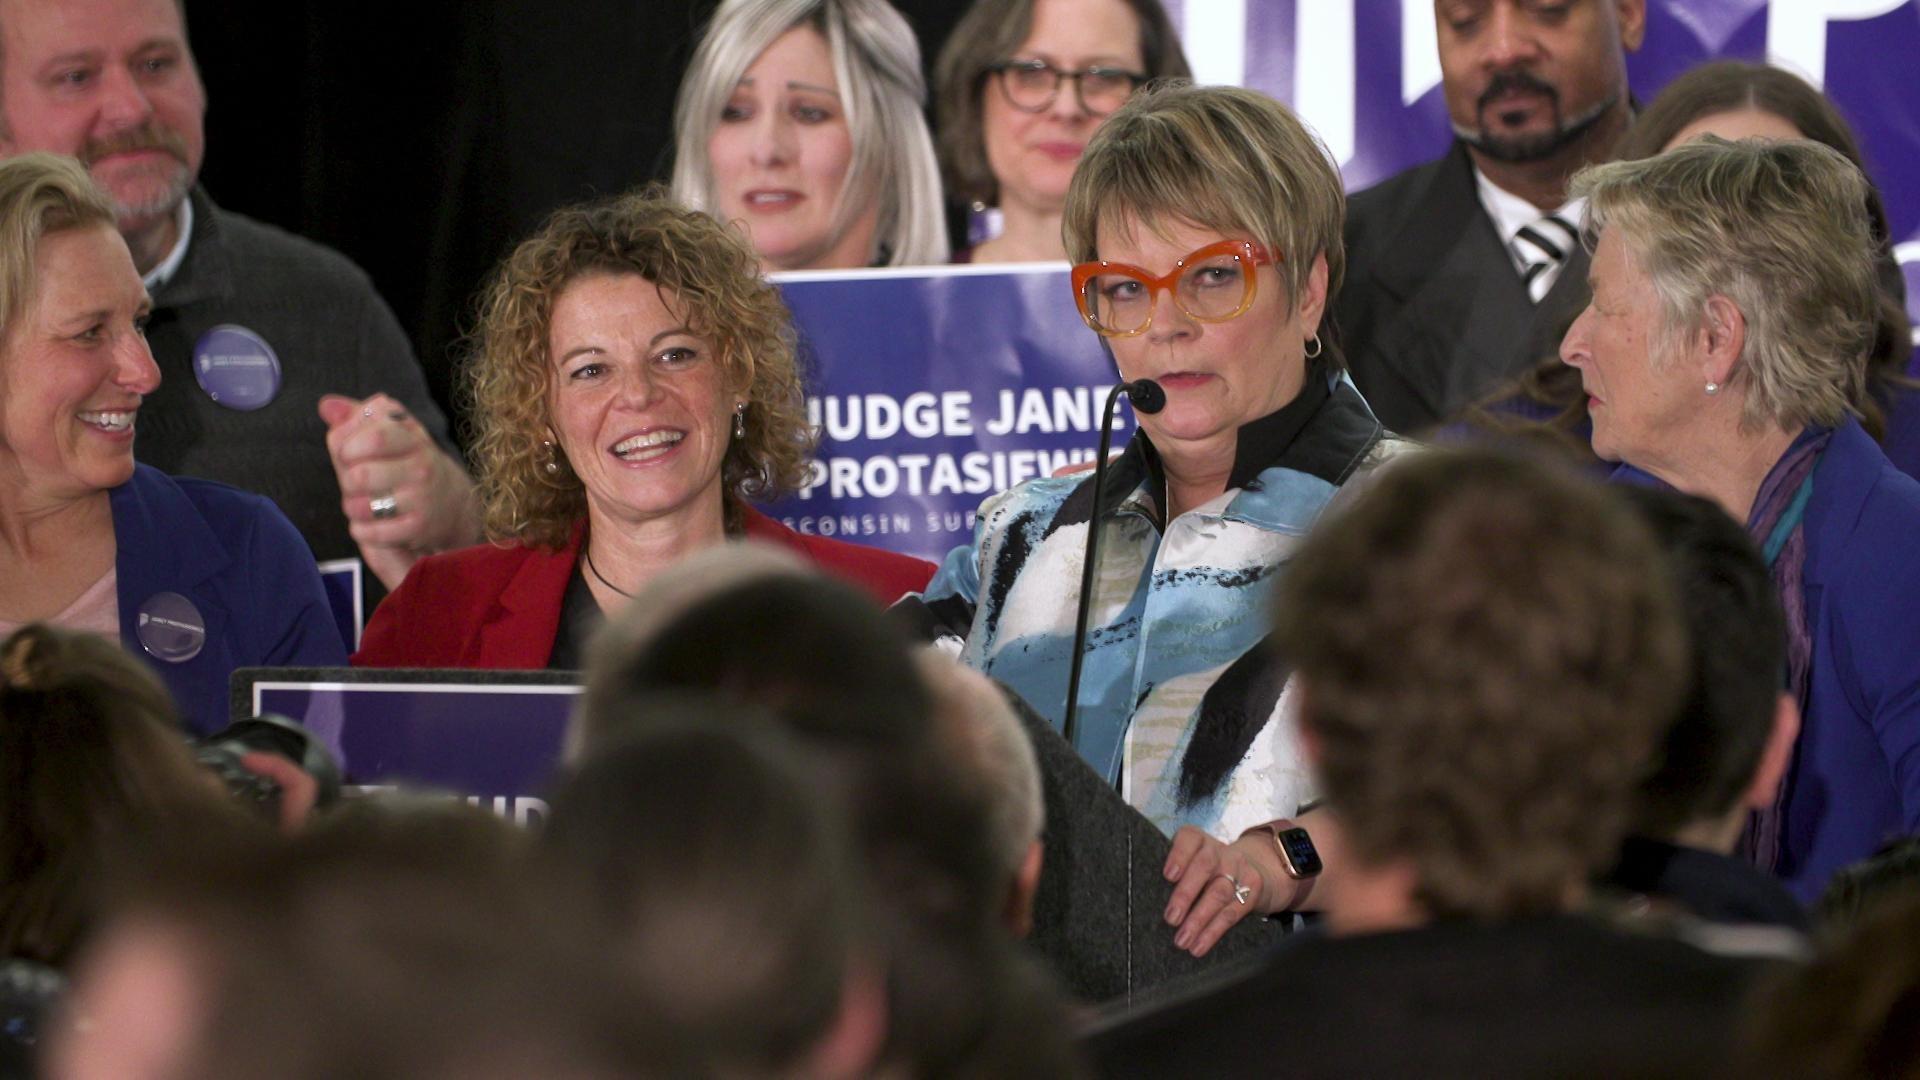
point(520, 630)
point(1557, 310)
point(1465, 321)
point(1439, 215)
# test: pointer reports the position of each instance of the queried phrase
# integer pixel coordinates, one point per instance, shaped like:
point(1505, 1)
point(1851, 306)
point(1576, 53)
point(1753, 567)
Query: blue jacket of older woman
point(1855, 780)
point(244, 568)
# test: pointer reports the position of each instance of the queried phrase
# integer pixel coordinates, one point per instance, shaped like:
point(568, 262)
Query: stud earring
point(740, 421)
point(1713, 388)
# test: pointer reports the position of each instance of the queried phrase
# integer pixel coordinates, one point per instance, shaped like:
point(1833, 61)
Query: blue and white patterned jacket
point(1181, 701)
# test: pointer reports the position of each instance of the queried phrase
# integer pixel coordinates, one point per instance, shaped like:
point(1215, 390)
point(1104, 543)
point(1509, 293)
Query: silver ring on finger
point(1240, 892)
point(384, 506)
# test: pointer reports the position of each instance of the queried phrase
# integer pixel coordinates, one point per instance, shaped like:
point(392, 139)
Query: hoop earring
point(1713, 388)
point(1313, 348)
point(740, 421)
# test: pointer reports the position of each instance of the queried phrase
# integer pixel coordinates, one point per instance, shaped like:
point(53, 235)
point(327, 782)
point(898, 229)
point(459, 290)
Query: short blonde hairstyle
point(40, 193)
point(1219, 156)
point(716, 286)
point(876, 61)
point(1779, 228)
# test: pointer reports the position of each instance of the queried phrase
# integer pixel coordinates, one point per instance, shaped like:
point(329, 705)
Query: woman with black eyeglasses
point(1020, 88)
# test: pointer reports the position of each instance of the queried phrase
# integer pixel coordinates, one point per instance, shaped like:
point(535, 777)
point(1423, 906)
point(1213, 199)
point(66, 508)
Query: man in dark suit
point(1466, 270)
point(1484, 665)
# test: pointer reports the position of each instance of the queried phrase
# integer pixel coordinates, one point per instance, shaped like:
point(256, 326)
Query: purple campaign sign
point(937, 387)
point(497, 741)
point(341, 577)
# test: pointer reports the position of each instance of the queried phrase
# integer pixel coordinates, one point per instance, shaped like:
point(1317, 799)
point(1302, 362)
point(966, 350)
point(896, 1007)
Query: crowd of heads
point(783, 843)
point(776, 851)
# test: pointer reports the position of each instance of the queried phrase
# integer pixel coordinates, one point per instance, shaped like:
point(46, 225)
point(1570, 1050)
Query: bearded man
point(1467, 270)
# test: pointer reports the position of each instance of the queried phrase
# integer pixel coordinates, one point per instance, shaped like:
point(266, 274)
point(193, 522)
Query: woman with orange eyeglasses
point(1206, 222)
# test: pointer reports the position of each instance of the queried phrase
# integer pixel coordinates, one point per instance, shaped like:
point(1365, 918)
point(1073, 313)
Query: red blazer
point(493, 607)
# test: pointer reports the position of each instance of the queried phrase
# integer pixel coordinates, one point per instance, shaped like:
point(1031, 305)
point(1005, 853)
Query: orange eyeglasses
point(1213, 284)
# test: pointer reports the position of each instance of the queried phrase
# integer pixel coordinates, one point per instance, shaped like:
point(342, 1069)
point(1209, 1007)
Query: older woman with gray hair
point(800, 121)
point(1723, 352)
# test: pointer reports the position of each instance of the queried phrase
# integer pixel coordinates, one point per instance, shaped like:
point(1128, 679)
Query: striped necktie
point(1541, 247)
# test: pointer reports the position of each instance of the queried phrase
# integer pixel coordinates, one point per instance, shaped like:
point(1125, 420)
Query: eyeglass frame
point(1254, 255)
point(1061, 75)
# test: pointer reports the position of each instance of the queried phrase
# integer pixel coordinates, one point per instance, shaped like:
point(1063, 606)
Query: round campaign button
point(236, 367)
point(170, 627)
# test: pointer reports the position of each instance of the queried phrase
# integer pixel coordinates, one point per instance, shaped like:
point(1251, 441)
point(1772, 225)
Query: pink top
point(96, 610)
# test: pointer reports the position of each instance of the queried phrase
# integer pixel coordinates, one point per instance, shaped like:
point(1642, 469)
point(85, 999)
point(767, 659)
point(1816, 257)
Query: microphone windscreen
point(1146, 395)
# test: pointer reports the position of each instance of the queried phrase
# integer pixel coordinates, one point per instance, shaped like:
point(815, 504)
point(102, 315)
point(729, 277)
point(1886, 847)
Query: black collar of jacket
point(1324, 431)
point(204, 274)
point(1707, 884)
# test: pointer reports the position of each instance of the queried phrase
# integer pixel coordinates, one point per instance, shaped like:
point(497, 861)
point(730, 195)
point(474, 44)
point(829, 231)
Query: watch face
point(1301, 854)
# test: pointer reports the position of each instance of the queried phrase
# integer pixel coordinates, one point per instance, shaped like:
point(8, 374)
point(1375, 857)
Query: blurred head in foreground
point(1485, 662)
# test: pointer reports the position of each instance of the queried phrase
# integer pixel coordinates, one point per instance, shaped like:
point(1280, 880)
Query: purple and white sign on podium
point(492, 736)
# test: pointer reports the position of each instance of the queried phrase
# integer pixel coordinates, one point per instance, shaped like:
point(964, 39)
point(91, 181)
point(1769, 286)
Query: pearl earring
point(1713, 388)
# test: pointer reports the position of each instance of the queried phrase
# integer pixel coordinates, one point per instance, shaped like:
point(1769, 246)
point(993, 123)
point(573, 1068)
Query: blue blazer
point(1855, 780)
point(244, 568)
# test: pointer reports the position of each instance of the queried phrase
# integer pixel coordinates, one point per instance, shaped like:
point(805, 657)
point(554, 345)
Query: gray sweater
point(332, 334)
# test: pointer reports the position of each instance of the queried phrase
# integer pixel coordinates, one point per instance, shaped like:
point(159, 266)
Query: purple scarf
point(1776, 524)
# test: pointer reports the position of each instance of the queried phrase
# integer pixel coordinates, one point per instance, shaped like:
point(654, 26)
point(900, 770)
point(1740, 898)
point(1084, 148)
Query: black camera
point(268, 733)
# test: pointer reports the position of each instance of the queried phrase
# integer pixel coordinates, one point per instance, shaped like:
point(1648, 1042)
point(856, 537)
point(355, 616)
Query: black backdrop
point(424, 137)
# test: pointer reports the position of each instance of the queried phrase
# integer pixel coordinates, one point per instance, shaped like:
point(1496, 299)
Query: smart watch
point(1297, 854)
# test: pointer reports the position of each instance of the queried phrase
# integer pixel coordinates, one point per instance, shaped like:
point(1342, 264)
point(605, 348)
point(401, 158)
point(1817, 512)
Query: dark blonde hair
point(40, 193)
point(1230, 159)
point(1487, 649)
point(992, 31)
point(714, 281)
